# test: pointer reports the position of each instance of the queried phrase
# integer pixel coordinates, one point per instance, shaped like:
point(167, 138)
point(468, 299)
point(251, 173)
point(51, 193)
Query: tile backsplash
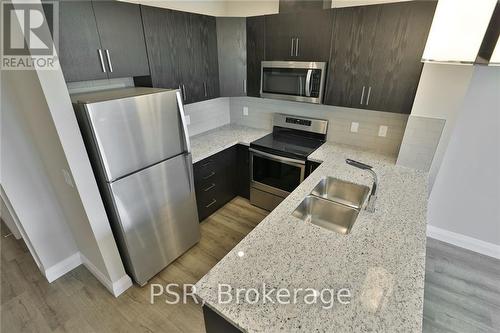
point(420, 141)
point(207, 115)
point(260, 115)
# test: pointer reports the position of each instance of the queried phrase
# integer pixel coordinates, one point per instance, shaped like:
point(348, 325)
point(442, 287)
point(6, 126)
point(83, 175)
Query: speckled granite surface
point(208, 143)
point(381, 262)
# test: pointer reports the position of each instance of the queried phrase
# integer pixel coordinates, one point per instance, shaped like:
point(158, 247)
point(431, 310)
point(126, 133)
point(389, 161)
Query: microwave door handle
point(308, 83)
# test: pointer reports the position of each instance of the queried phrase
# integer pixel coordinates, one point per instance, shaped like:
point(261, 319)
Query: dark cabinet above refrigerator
point(100, 40)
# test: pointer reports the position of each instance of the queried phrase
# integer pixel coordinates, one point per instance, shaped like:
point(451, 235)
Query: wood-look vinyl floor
point(77, 302)
point(462, 288)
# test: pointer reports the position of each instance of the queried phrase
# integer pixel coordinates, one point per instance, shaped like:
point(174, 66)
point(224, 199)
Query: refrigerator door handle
point(183, 121)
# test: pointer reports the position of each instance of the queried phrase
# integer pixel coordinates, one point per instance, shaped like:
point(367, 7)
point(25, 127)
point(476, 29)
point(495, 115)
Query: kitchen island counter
point(381, 261)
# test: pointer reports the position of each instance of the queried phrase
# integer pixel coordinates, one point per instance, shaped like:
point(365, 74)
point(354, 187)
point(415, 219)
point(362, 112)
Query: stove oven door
point(275, 175)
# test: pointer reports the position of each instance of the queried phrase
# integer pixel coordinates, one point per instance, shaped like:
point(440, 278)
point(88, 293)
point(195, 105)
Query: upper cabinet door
point(313, 29)
point(165, 33)
point(287, 6)
point(400, 42)
point(79, 43)
point(192, 67)
point(299, 35)
point(280, 36)
point(232, 53)
point(122, 38)
point(210, 61)
point(351, 60)
point(256, 28)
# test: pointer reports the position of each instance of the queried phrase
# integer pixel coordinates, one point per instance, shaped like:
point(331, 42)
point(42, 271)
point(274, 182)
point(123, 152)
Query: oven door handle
point(277, 158)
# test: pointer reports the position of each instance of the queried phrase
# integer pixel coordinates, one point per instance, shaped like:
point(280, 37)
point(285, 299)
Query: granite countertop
point(211, 142)
point(381, 261)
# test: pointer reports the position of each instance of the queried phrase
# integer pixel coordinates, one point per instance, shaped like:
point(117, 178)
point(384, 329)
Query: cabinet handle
point(297, 47)
point(362, 95)
point(209, 188)
point(103, 67)
point(210, 175)
point(205, 87)
point(291, 49)
point(206, 164)
point(368, 96)
point(184, 92)
point(109, 61)
point(211, 204)
point(245, 86)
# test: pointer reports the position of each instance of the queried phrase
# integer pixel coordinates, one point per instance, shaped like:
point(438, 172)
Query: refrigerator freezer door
point(135, 132)
point(157, 216)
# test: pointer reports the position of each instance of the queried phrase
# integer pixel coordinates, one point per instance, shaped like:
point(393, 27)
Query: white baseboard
point(466, 242)
point(117, 287)
point(56, 271)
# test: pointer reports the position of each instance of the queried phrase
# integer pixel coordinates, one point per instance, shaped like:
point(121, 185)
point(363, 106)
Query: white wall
point(25, 179)
point(244, 8)
point(8, 215)
point(464, 206)
point(220, 8)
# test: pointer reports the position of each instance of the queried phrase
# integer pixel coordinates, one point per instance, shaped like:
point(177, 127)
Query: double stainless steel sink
point(333, 204)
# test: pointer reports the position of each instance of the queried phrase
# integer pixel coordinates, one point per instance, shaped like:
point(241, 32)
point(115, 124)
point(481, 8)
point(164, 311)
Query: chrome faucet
point(370, 206)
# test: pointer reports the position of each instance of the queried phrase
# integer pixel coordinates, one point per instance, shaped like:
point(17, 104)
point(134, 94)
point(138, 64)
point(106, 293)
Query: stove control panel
point(297, 121)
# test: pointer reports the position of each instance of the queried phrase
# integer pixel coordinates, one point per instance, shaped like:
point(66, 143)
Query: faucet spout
point(370, 206)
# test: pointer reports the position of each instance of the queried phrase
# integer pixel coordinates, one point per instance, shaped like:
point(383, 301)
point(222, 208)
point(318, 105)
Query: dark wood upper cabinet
point(313, 29)
point(90, 27)
point(375, 57)
point(401, 36)
point(280, 36)
point(122, 38)
point(182, 52)
point(352, 53)
point(79, 42)
point(299, 35)
point(210, 61)
point(165, 34)
point(287, 6)
point(255, 53)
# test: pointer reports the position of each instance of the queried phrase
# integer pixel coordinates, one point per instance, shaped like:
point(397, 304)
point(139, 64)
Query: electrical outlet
point(67, 178)
point(354, 127)
point(382, 130)
point(188, 120)
point(245, 110)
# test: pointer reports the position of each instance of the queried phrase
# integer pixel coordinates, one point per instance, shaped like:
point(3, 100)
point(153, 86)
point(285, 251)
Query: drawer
point(207, 204)
point(215, 181)
point(203, 169)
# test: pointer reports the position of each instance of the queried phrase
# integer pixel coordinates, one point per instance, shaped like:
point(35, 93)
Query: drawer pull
point(210, 175)
point(211, 204)
point(206, 164)
point(209, 188)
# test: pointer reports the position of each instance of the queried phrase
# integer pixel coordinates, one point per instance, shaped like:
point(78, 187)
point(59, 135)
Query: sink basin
point(346, 193)
point(327, 214)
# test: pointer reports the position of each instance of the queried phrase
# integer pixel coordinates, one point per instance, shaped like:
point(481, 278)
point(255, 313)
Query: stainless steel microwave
point(300, 81)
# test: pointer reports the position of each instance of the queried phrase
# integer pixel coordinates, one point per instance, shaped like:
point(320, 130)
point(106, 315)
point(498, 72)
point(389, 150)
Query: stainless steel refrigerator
point(138, 145)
